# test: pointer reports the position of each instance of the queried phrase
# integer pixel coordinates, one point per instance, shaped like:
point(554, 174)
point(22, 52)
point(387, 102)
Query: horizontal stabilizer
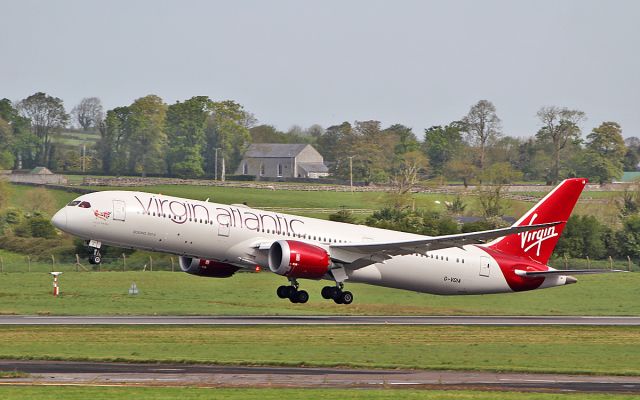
point(542, 274)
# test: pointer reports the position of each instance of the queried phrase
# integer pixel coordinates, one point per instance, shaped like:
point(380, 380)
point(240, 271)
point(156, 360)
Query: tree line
point(188, 138)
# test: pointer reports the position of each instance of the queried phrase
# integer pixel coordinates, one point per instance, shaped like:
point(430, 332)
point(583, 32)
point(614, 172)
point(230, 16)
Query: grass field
point(593, 350)
point(161, 293)
point(191, 393)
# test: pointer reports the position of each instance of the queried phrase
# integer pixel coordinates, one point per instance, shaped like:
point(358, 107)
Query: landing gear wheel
point(301, 296)
point(283, 291)
point(328, 292)
point(96, 257)
point(291, 292)
point(346, 297)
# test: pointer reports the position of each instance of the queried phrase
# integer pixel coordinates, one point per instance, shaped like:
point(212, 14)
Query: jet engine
point(298, 260)
point(210, 268)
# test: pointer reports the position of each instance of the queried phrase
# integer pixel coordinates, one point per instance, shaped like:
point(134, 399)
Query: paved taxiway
point(93, 373)
point(320, 320)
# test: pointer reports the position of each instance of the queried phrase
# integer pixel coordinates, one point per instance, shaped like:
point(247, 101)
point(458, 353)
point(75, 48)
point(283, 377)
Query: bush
point(343, 215)
point(422, 222)
point(38, 248)
point(41, 227)
point(13, 216)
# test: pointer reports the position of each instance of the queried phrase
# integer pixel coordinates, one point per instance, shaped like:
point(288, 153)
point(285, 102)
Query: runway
point(94, 373)
point(321, 320)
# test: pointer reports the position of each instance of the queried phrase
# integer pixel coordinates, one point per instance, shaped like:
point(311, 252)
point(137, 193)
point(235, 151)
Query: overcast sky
point(419, 63)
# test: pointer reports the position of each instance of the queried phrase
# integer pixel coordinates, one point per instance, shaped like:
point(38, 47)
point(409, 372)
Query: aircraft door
point(223, 230)
point(119, 210)
point(485, 264)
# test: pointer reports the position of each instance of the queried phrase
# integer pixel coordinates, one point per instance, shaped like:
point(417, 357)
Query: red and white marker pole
point(56, 288)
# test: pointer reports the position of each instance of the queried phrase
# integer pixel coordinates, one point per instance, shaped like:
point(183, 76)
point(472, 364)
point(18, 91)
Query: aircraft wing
point(379, 251)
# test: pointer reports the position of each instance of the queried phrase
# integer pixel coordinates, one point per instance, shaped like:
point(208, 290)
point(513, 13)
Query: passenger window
point(85, 204)
point(73, 203)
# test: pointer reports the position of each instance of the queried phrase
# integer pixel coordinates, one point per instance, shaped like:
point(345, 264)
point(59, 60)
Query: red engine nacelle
point(298, 260)
point(210, 268)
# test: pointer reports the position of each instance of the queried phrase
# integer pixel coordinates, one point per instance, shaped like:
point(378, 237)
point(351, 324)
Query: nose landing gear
point(96, 257)
point(337, 294)
point(292, 293)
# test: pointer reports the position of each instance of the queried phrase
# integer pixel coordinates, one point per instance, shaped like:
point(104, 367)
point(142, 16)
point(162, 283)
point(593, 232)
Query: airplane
point(218, 240)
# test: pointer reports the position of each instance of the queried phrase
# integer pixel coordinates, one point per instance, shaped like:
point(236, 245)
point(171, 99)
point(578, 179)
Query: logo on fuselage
point(534, 239)
point(104, 215)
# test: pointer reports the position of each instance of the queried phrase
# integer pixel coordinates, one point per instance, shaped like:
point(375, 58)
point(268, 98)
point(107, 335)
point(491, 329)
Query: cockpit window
point(74, 203)
point(85, 204)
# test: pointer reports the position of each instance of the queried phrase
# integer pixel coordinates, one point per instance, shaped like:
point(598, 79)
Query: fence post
point(588, 263)
point(29, 261)
point(628, 263)
point(124, 262)
point(566, 262)
point(610, 262)
point(77, 263)
point(150, 263)
point(172, 270)
point(1, 265)
point(53, 263)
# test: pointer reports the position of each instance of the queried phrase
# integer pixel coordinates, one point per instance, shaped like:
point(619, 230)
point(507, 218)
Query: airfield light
point(56, 288)
point(258, 269)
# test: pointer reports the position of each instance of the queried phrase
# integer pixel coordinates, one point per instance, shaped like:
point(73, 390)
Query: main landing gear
point(337, 294)
point(292, 293)
point(96, 257)
point(295, 295)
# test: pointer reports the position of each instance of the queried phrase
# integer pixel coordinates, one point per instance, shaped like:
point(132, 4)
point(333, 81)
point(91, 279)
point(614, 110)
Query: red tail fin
point(538, 245)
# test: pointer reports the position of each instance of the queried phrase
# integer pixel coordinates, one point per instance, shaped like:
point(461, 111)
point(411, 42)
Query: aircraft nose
point(59, 220)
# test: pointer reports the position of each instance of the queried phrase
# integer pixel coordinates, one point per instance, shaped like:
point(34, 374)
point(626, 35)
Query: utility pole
point(351, 172)
point(215, 162)
point(223, 171)
point(84, 155)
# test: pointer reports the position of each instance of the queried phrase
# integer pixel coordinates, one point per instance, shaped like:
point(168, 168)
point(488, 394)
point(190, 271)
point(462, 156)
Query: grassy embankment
point(597, 350)
point(166, 293)
point(191, 393)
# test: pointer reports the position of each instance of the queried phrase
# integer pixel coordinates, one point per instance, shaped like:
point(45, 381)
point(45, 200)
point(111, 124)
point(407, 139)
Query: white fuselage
point(231, 234)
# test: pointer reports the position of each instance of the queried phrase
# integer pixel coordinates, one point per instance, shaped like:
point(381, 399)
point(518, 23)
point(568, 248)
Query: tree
point(88, 113)
point(48, 117)
point(369, 149)
point(491, 193)
point(481, 125)
point(226, 130)
point(628, 239)
point(604, 158)
point(186, 124)
point(632, 156)
point(406, 141)
point(6, 144)
point(112, 147)
point(560, 127)
point(267, 134)
point(461, 167)
point(328, 143)
point(23, 144)
point(441, 144)
point(315, 131)
point(147, 138)
point(405, 174)
point(583, 236)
